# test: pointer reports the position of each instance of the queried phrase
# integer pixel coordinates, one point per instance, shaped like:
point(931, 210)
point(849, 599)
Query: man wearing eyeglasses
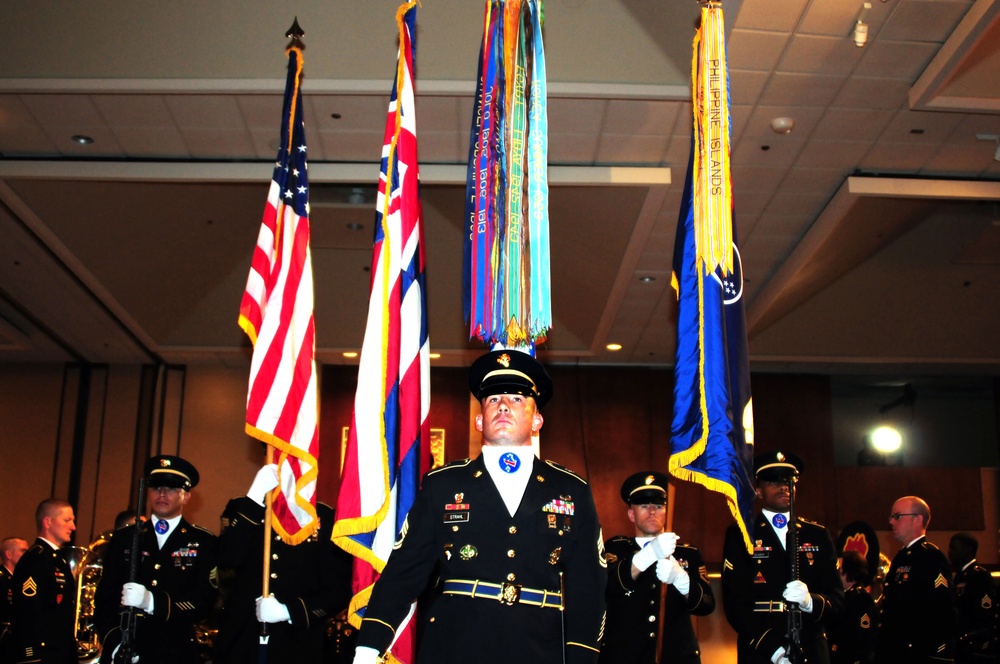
point(918, 618)
point(647, 571)
point(178, 581)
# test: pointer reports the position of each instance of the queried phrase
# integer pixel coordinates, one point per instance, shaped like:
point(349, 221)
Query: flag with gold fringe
point(711, 436)
point(389, 440)
point(276, 312)
point(506, 254)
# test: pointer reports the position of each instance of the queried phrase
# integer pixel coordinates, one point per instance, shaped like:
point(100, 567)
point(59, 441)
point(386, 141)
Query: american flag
point(277, 315)
point(390, 431)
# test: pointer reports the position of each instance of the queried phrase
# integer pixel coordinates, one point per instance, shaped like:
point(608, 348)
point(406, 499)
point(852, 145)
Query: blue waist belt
point(505, 593)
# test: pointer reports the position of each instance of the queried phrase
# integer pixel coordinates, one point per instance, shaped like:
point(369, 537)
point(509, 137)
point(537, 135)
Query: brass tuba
point(86, 564)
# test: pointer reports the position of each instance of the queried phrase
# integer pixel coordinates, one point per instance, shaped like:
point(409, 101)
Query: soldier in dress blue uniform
point(309, 583)
point(43, 593)
point(853, 636)
point(11, 550)
point(514, 540)
point(757, 588)
point(638, 568)
point(976, 599)
point(918, 618)
point(178, 580)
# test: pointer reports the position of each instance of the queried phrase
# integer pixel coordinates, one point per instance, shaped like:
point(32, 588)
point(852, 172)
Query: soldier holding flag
point(756, 587)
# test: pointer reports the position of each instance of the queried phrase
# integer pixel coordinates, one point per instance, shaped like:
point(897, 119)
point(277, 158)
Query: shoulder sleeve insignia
point(29, 588)
point(987, 603)
point(727, 565)
point(866, 622)
point(213, 577)
point(703, 573)
point(941, 581)
point(601, 556)
point(611, 558)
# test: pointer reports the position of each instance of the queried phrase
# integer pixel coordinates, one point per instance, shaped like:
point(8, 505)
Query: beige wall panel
point(114, 473)
point(29, 409)
point(214, 440)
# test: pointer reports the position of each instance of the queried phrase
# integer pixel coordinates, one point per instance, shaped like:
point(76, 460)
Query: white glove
point(779, 657)
point(657, 548)
point(264, 482)
point(670, 571)
point(135, 594)
point(135, 658)
point(365, 655)
point(798, 592)
point(664, 545)
point(270, 610)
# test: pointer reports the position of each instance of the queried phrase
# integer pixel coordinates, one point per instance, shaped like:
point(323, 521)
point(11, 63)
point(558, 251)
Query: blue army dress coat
point(183, 579)
point(312, 579)
point(854, 635)
point(460, 529)
point(43, 597)
point(978, 626)
point(918, 621)
point(634, 608)
point(752, 587)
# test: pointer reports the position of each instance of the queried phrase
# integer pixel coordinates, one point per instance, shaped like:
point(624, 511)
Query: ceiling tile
point(631, 149)
point(815, 54)
point(834, 18)
point(745, 86)
point(832, 154)
point(905, 60)
point(924, 20)
point(755, 50)
point(576, 116)
point(790, 89)
point(897, 157)
point(205, 111)
point(572, 149)
point(853, 124)
point(878, 93)
point(650, 118)
point(920, 127)
point(762, 15)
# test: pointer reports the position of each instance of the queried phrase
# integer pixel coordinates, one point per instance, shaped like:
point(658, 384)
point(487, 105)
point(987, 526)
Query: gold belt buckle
point(510, 593)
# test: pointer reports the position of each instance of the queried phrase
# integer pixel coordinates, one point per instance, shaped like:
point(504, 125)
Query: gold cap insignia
point(649, 479)
point(780, 457)
point(164, 463)
point(504, 360)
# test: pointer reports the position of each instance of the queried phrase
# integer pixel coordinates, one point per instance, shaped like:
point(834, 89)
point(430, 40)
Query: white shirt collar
point(49, 542)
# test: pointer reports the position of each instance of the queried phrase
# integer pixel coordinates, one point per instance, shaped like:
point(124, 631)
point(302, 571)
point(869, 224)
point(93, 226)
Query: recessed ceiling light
point(435, 356)
point(350, 355)
point(355, 226)
point(613, 347)
point(647, 279)
point(336, 116)
point(81, 139)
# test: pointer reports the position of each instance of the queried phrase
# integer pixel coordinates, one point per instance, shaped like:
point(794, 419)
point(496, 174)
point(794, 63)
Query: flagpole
point(268, 512)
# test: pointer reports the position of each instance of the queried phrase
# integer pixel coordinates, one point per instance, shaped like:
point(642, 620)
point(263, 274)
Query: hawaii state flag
point(711, 438)
point(387, 449)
